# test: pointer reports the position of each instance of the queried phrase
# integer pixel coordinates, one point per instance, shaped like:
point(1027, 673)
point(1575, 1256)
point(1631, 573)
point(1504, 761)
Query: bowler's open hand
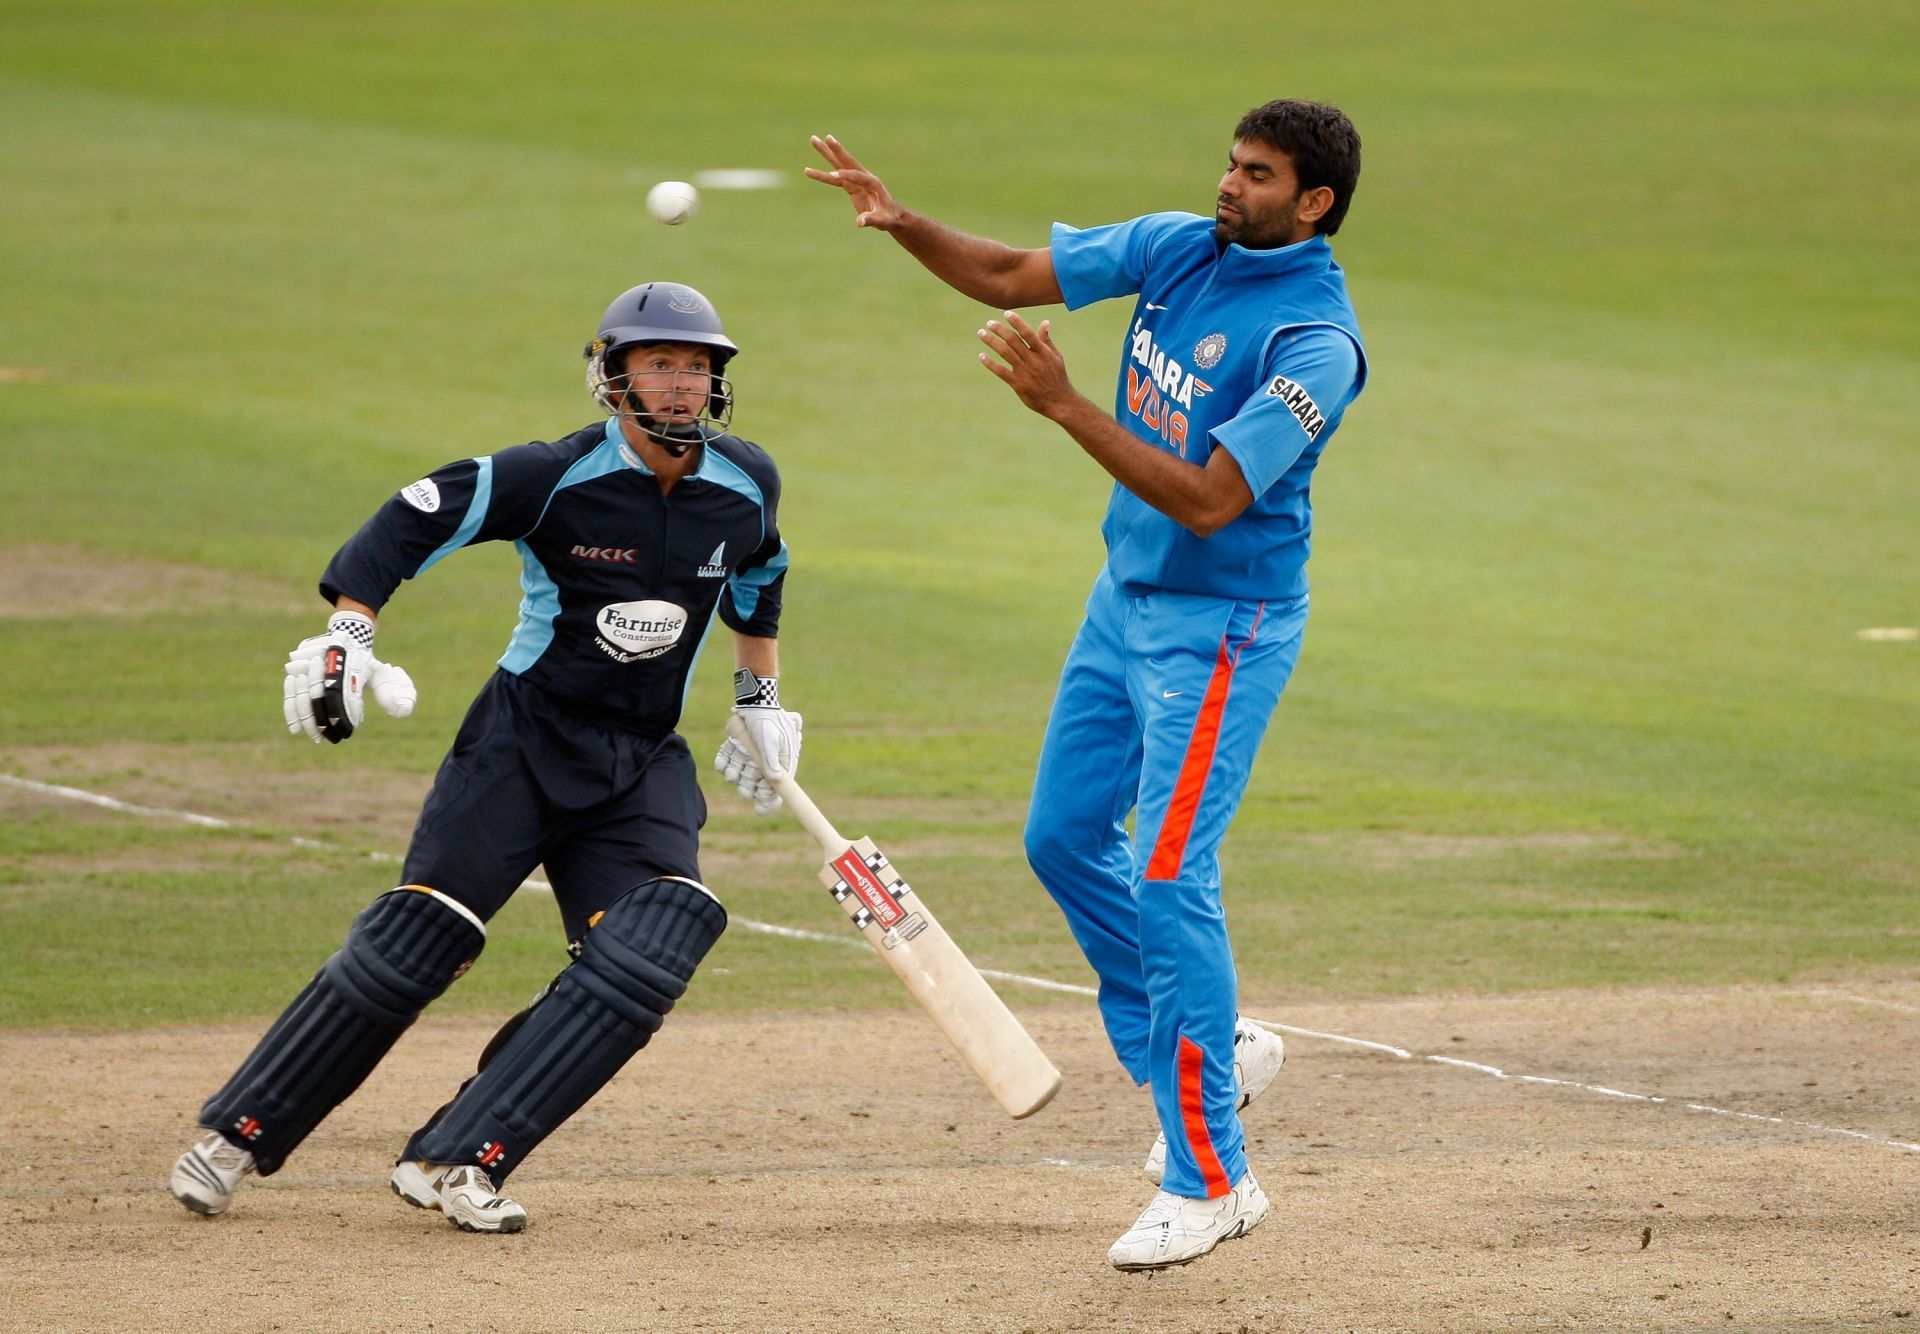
point(872, 205)
point(1033, 365)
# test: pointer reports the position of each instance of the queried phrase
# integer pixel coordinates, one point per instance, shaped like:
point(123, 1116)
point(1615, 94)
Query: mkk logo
point(609, 555)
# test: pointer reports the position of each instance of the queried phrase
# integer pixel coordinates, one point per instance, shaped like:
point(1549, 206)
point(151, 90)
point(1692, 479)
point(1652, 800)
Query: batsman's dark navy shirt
point(620, 583)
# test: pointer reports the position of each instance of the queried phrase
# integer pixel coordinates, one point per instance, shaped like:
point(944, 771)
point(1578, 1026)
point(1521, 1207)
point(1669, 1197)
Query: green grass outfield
point(1582, 703)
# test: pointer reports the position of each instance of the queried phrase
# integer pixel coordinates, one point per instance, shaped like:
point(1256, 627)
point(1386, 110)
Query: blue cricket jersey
point(1253, 351)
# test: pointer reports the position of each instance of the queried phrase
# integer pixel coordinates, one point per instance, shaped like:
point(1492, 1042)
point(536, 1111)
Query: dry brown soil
point(50, 579)
point(790, 1173)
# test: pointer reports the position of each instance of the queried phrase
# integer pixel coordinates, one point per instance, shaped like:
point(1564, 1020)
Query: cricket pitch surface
point(846, 1172)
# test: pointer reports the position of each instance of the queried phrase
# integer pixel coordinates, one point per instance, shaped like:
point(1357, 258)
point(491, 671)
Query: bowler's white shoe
point(205, 1176)
point(1175, 1229)
point(1258, 1054)
point(464, 1194)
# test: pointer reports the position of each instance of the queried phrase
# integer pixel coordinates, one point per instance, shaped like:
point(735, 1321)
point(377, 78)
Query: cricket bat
point(904, 932)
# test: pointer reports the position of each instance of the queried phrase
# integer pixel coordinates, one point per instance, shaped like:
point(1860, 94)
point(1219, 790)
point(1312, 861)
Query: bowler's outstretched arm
point(986, 270)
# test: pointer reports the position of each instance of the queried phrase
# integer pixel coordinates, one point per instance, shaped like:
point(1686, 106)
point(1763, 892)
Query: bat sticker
point(907, 930)
point(866, 886)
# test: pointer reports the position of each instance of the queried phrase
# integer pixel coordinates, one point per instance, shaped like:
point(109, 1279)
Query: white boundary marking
point(1075, 989)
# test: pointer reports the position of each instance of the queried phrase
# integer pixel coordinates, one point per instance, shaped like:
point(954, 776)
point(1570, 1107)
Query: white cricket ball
point(672, 202)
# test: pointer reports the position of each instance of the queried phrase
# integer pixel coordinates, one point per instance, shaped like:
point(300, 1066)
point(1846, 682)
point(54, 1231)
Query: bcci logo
point(685, 301)
point(1208, 351)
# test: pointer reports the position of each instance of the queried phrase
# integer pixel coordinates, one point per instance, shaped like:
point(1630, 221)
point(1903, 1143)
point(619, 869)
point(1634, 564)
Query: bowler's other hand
point(872, 205)
point(1029, 362)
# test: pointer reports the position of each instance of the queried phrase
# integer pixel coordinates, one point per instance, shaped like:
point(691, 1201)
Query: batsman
point(633, 534)
point(1241, 356)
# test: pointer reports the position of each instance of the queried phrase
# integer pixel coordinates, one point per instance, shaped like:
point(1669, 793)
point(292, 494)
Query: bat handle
point(796, 799)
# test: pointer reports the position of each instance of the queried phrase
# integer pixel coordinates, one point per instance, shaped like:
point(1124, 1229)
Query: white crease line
point(1857, 1000)
point(1400, 1053)
point(95, 799)
point(1074, 989)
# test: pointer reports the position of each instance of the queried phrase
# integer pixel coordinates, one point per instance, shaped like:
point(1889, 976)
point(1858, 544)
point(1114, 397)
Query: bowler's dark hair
point(1322, 142)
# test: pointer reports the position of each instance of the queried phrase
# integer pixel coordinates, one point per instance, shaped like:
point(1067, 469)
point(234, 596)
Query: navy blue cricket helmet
point(659, 312)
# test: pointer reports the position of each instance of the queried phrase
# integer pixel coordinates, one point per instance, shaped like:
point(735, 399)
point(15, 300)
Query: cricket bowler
point(1241, 358)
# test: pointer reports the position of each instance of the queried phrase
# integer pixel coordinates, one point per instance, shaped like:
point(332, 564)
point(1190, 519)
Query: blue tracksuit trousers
point(1161, 707)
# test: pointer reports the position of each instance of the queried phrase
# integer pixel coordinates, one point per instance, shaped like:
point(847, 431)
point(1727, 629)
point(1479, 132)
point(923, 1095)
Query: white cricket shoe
point(1258, 1054)
point(1175, 1229)
point(464, 1194)
point(205, 1176)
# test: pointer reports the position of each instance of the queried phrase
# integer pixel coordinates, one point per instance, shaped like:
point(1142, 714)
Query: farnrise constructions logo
point(631, 631)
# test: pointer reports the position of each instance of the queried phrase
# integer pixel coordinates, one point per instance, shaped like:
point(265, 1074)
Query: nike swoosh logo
point(1169, 694)
point(1151, 306)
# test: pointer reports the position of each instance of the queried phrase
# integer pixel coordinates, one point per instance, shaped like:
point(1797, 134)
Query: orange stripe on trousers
point(1194, 1116)
point(1170, 849)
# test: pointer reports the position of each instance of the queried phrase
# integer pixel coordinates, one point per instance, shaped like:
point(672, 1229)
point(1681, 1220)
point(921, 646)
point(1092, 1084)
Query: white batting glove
point(739, 768)
point(328, 675)
point(393, 690)
point(775, 733)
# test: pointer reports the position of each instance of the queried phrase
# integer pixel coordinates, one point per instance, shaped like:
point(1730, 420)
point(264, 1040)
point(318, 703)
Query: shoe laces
point(226, 1156)
point(469, 1176)
point(1164, 1207)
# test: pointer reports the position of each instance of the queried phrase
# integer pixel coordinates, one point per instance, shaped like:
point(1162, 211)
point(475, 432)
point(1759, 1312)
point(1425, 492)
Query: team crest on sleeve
point(423, 495)
point(1208, 351)
point(1300, 403)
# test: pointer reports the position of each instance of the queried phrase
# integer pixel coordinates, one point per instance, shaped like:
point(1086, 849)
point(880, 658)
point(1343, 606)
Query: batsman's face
point(671, 380)
point(1259, 199)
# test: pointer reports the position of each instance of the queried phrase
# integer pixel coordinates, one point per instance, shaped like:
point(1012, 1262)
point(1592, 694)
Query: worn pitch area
point(847, 1172)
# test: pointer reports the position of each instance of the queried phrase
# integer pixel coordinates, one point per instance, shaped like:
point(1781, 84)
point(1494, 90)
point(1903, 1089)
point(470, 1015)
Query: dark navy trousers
point(531, 782)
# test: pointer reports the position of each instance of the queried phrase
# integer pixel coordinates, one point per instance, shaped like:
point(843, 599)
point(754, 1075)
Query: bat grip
point(796, 800)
